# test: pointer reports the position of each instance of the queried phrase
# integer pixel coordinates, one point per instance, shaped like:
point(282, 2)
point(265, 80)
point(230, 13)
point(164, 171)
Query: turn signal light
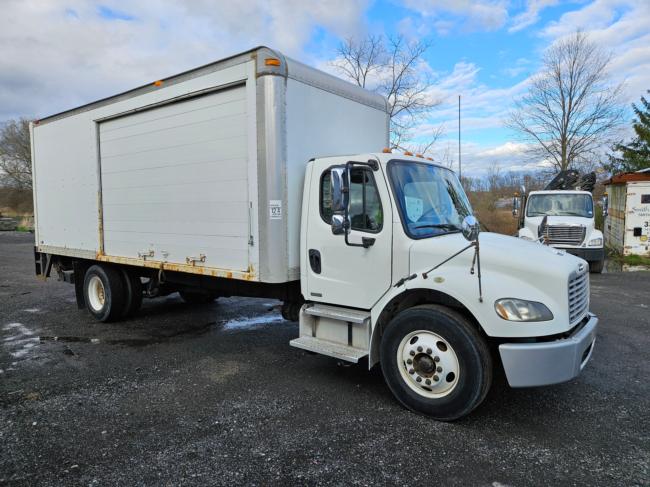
point(272, 61)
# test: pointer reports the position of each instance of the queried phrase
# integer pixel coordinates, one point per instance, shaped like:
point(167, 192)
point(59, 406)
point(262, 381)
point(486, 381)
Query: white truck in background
point(563, 216)
point(259, 176)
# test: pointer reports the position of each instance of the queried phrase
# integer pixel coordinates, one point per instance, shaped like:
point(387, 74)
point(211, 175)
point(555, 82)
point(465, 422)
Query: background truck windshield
point(560, 205)
point(430, 198)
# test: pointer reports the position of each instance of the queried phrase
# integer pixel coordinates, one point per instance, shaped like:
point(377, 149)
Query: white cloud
point(618, 26)
point(56, 56)
point(530, 16)
point(488, 15)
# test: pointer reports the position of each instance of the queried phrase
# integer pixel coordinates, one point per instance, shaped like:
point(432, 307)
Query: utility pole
point(459, 163)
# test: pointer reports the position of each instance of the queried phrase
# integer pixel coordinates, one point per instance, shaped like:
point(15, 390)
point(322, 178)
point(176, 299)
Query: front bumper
point(546, 363)
point(590, 255)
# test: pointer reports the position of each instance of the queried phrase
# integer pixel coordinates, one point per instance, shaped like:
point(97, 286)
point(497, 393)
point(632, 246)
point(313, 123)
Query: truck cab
point(395, 271)
point(569, 224)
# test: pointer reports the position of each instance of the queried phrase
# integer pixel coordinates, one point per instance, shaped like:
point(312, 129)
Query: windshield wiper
point(446, 226)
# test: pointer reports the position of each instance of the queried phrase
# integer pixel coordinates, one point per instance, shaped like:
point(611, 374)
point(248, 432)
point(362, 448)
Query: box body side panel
point(68, 174)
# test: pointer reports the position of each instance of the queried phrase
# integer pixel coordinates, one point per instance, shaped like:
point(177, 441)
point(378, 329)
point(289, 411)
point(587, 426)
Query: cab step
point(336, 313)
point(331, 349)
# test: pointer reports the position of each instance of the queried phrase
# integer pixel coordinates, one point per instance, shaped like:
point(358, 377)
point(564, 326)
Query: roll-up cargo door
point(174, 182)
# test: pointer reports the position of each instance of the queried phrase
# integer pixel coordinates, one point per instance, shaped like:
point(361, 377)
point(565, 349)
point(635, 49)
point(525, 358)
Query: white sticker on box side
point(275, 209)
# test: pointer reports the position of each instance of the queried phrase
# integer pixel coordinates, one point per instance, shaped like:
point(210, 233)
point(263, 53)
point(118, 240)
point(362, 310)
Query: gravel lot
point(215, 395)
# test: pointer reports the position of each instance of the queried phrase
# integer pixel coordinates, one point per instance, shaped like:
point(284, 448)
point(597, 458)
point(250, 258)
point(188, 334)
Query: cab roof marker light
point(272, 61)
point(387, 150)
point(407, 153)
point(158, 83)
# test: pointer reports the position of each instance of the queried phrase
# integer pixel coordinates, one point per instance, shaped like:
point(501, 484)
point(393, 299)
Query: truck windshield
point(431, 200)
point(560, 205)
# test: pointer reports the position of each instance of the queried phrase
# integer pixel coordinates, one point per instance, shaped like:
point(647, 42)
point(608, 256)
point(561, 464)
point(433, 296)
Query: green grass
point(636, 260)
point(20, 228)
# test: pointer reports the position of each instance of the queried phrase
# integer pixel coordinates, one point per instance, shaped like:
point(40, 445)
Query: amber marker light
point(157, 83)
point(272, 61)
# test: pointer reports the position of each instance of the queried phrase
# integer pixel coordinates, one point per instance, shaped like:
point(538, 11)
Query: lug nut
point(409, 361)
point(428, 382)
point(436, 359)
point(429, 351)
point(412, 353)
point(419, 379)
point(419, 349)
point(439, 369)
point(436, 378)
point(411, 371)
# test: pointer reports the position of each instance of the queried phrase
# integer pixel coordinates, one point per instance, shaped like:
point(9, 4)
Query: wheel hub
point(429, 364)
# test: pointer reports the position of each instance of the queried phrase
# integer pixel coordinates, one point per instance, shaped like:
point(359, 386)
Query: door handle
point(314, 260)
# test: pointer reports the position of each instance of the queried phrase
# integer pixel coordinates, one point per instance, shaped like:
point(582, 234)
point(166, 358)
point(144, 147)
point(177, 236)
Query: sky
point(58, 54)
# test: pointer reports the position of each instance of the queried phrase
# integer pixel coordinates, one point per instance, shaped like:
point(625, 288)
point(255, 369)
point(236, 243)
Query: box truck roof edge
point(289, 68)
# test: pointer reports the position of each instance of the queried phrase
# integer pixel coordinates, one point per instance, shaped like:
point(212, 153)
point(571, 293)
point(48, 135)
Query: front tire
point(596, 267)
point(104, 292)
point(435, 362)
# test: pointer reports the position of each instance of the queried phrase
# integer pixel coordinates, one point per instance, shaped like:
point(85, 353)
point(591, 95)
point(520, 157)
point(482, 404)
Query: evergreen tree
point(636, 154)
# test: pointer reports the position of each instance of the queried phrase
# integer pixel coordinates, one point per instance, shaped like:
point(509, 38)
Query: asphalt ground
point(214, 395)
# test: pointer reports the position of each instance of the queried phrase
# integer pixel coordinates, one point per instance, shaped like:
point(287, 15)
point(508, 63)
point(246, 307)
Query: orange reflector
point(272, 61)
point(386, 150)
point(407, 153)
point(157, 83)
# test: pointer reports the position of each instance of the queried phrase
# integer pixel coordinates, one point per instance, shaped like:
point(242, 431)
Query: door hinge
point(194, 260)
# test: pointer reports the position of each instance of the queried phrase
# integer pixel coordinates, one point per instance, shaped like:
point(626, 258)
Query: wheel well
point(408, 299)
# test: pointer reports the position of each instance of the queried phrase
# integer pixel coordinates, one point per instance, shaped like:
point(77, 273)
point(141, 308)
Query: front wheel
point(435, 362)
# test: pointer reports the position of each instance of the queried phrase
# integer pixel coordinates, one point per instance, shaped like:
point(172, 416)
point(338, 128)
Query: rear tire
point(596, 267)
point(197, 297)
point(104, 292)
point(450, 369)
point(132, 293)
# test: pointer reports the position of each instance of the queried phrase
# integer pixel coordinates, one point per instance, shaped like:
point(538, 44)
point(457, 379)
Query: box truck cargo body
point(201, 172)
point(259, 176)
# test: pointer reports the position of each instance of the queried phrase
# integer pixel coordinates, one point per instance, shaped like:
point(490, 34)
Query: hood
point(499, 253)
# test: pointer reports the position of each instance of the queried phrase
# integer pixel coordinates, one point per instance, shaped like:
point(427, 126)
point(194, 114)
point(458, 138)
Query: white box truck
point(259, 176)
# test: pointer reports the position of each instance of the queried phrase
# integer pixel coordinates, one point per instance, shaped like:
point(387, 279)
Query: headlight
point(526, 238)
point(595, 242)
point(512, 309)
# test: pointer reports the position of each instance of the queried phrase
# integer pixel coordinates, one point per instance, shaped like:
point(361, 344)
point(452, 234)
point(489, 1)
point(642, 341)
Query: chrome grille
point(578, 294)
point(565, 234)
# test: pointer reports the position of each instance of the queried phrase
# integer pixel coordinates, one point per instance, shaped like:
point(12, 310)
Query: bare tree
point(571, 109)
point(393, 68)
point(15, 154)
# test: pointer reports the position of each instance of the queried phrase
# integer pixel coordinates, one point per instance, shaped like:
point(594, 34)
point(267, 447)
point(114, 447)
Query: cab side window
point(365, 213)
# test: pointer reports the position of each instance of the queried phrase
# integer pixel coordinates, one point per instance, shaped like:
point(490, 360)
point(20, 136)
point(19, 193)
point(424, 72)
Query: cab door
point(338, 273)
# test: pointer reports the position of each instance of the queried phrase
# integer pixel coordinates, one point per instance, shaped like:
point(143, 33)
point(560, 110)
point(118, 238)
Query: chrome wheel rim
point(96, 293)
point(428, 364)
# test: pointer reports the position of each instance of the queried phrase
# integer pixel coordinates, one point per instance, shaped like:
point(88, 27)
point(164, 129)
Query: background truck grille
point(578, 295)
point(565, 234)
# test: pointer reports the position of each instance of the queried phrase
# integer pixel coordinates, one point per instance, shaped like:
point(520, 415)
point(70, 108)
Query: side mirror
point(470, 228)
point(339, 188)
point(515, 205)
point(605, 204)
point(338, 224)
